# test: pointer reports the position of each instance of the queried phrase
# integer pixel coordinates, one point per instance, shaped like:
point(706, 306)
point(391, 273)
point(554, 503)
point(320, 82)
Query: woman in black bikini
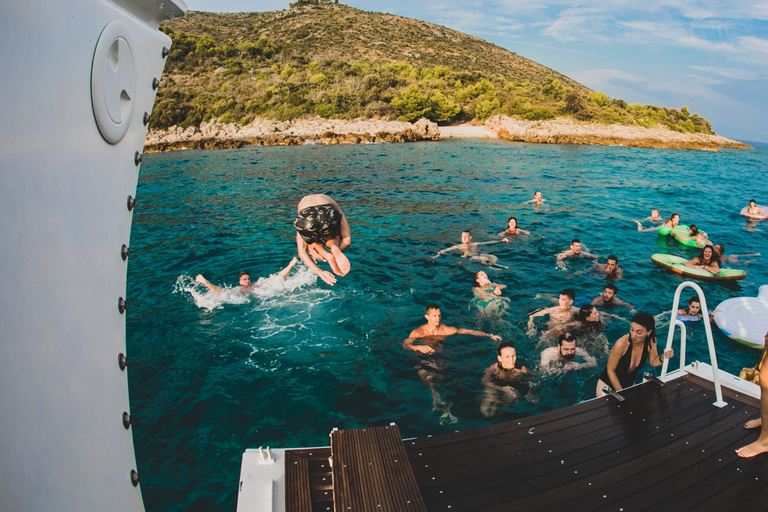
point(630, 353)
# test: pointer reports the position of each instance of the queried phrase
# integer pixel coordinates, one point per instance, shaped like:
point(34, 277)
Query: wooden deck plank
point(664, 448)
point(371, 471)
point(298, 496)
point(519, 471)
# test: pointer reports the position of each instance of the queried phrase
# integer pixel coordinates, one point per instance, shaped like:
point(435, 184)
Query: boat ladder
point(674, 322)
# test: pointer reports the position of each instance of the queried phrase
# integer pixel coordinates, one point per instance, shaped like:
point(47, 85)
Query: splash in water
point(267, 288)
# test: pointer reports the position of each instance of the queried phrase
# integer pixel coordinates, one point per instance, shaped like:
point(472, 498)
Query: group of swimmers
point(323, 234)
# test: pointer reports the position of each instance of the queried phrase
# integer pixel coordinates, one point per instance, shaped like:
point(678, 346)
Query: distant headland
point(216, 135)
point(323, 72)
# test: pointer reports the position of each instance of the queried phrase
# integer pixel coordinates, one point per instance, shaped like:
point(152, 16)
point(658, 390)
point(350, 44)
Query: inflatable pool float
point(666, 230)
point(744, 319)
point(753, 216)
point(685, 232)
point(689, 318)
point(677, 264)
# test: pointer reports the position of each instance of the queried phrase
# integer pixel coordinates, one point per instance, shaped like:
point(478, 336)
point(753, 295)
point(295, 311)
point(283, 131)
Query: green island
point(327, 72)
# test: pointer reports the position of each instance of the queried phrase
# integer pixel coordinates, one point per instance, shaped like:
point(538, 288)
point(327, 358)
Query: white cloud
point(706, 80)
point(737, 74)
point(579, 24)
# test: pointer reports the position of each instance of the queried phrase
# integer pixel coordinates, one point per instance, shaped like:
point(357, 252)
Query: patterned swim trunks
point(317, 224)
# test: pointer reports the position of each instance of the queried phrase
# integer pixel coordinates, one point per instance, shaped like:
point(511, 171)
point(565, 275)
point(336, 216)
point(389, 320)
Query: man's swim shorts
point(318, 223)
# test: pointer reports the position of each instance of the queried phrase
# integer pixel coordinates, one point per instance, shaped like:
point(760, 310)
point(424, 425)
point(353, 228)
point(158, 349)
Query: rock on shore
point(215, 135)
point(568, 131)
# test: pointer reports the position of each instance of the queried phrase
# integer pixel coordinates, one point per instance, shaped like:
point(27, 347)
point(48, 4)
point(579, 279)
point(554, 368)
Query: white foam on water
point(268, 291)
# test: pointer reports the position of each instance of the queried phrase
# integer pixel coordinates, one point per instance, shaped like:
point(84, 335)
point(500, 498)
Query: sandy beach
point(467, 131)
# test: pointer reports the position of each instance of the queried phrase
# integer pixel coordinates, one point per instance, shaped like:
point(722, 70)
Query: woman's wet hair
point(476, 283)
point(694, 229)
point(647, 321)
point(714, 254)
point(585, 311)
point(511, 218)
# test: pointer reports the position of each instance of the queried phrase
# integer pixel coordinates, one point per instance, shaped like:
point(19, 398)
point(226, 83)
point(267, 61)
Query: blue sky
point(709, 55)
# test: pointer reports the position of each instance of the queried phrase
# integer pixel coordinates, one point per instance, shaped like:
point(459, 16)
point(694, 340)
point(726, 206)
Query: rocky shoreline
point(567, 131)
point(215, 135)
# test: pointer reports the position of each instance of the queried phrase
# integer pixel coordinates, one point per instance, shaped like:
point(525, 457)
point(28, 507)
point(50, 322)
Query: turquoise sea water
point(212, 376)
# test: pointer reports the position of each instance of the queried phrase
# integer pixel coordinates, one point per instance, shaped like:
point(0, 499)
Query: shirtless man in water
point(469, 250)
point(430, 338)
point(563, 313)
point(575, 251)
point(562, 357)
point(761, 444)
point(655, 218)
point(611, 268)
point(321, 224)
point(609, 299)
point(245, 285)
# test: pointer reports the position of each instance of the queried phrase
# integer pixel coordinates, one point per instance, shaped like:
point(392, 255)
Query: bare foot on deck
point(752, 449)
point(341, 260)
point(754, 423)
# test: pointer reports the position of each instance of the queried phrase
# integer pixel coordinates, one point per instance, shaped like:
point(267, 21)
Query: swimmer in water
point(487, 295)
point(694, 234)
point(320, 225)
point(503, 380)
point(562, 357)
point(752, 209)
point(430, 338)
point(512, 230)
point(559, 315)
point(693, 311)
point(655, 217)
point(575, 251)
point(670, 223)
point(537, 199)
point(609, 299)
point(611, 268)
point(732, 258)
point(707, 260)
point(245, 285)
point(469, 250)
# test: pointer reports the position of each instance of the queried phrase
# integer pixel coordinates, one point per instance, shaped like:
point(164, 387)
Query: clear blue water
point(210, 377)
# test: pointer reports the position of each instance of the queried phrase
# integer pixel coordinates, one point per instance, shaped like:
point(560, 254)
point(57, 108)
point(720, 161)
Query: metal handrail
point(674, 322)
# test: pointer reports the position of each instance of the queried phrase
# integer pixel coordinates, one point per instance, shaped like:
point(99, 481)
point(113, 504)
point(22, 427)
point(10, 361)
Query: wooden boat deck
point(663, 447)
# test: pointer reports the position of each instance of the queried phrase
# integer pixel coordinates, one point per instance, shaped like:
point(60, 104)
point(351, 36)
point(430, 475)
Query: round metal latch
point(113, 82)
